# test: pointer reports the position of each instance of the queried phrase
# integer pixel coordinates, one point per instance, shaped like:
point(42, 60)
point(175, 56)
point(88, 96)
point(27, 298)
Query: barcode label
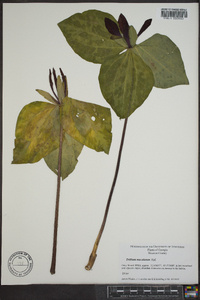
point(173, 13)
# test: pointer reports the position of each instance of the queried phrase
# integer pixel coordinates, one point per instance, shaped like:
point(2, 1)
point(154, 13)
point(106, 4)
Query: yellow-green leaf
point(37, 132)
point(44, 127)
point(71, 149)
point(88, 123)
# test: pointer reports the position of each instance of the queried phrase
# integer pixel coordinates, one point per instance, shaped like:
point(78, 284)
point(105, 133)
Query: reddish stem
point(53, 262)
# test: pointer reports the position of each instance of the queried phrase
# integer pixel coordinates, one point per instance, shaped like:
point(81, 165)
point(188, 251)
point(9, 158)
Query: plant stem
point(93, 254)
point(53, 262)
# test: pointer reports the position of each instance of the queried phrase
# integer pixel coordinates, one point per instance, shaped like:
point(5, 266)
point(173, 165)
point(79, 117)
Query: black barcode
point(174, 13)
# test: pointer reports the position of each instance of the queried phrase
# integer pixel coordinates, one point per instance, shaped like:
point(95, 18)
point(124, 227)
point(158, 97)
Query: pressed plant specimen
point(128, 70)
point(57, 131)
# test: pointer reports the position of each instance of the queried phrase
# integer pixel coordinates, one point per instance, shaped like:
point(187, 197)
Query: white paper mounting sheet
point(156, 195)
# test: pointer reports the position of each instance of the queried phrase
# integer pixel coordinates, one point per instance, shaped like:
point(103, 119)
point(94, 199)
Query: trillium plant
point(128, 70)
point(57, 130)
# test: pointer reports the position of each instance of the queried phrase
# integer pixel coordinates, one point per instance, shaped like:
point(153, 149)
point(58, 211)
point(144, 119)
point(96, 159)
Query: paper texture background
point(155, 200)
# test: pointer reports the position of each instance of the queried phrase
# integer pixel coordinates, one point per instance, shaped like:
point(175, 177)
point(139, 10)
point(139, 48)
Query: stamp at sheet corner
point(20, 264)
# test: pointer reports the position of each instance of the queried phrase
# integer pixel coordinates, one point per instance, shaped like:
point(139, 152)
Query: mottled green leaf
point(88, 123)
point(125, 82)
point(71, 149)
point(86, 33)
point(89, 36)
point(37, 132)
point(164, 59)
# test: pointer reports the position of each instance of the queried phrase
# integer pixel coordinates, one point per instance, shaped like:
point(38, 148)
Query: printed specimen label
point(157, 263)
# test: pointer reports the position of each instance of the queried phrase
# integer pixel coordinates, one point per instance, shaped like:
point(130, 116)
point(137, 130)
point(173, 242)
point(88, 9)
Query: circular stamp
point(20, 264)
